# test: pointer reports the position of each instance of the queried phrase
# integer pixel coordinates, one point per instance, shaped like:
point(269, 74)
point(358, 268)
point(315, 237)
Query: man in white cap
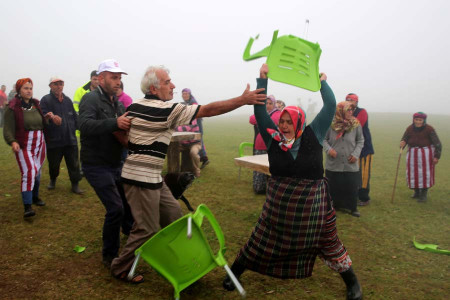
point(100, 116)
point(153, 120)
point(60, 134)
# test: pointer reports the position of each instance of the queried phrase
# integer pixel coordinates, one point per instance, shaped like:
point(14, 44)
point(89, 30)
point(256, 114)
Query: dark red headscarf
point(21, 82)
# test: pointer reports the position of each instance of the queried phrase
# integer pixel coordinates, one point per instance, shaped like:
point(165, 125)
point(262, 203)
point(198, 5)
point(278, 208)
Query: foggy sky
point(393, 54)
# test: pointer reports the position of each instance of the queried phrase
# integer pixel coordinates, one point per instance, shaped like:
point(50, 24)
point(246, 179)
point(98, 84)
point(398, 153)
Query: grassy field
point(38, 261)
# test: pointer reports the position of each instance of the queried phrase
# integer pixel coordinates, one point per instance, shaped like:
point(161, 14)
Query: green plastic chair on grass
point(291, 60)
point(181, 253)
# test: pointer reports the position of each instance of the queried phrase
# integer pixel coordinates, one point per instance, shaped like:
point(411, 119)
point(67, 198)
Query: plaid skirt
point(292, 230)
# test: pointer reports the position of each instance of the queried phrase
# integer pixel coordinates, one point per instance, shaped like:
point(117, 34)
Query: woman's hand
point(323, 76)
point(435, 160)
point(15, 147)
point(351, 159)
point(402, 144)
point(263, 71)
point(332, 153)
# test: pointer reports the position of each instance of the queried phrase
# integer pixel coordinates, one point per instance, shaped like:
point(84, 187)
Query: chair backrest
point(181, 260)
point(291, 60)
point(242, 146)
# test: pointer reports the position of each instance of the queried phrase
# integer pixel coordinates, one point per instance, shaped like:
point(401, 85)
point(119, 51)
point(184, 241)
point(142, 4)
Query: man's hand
point(123, 122)
point(49, 115)
point(402, 144)
point(263, 71)
point(332, 153)
point(15, 147)
point(253, 97)
point(351, 159)
point(57, 120)
point(323, 76)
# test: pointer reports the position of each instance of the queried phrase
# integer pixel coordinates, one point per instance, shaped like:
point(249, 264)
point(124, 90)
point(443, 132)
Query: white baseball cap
point(110, 65)
point(55, 79)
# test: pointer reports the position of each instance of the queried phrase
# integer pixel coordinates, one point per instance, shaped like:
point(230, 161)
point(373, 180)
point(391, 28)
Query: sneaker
point(363, 203)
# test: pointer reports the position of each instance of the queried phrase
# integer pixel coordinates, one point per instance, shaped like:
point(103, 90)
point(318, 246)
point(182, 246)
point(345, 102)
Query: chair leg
point(133, 267)
point(235, 281)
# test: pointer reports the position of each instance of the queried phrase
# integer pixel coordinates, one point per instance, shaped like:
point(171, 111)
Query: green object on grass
point(180, 258)
point(79, 249)
point(8, 195)
point(430, 248)
point(291, 60)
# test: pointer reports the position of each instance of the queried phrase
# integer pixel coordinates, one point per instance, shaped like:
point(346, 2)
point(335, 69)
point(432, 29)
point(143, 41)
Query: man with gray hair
point(101, 115)
point(61, 139)
point(153, 120)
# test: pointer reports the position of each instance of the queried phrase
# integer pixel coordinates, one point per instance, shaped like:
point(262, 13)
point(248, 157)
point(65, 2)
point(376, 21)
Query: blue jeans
point(106, 182)
point(28, 196)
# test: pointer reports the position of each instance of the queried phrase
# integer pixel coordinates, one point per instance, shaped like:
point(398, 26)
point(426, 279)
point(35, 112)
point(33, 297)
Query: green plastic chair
point(242, 146)
point(291, 60)
point(181, 253)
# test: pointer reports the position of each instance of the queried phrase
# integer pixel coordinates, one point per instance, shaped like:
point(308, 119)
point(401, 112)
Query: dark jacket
point(97, 122)
point(63, 135)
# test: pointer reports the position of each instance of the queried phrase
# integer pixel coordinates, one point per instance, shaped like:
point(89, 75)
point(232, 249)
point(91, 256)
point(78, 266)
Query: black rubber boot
point(237, 270)
point(423, 195)
point(52, 184)
point(76, 189)
point(29, 212)
point(416, 194)
point(354, 291)
point(38, 202)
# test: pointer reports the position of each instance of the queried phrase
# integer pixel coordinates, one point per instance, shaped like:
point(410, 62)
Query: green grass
point(38, 261)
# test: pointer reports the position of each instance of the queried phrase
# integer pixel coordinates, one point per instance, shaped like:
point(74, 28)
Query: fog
point(393, 54)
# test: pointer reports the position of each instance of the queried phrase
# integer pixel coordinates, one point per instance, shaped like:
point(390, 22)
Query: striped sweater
point(153, 122)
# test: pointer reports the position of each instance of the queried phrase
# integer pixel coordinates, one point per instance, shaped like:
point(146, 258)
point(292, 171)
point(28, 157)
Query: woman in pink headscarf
point(297, 222)
point(260, 179)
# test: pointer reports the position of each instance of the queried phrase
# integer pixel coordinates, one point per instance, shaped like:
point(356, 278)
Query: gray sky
point(393, 54)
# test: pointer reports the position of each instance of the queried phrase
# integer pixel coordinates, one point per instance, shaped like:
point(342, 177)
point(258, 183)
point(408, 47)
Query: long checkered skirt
point(420, 167)
point(293, 229)
point(30, 158)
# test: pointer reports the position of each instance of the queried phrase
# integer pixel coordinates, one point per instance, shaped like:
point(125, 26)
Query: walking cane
point(396, 175)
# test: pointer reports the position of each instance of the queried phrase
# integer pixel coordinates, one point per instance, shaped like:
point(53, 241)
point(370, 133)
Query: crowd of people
point(124, 144)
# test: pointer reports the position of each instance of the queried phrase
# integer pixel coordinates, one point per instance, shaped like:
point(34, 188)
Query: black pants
point(70, 154)
point(106, 182)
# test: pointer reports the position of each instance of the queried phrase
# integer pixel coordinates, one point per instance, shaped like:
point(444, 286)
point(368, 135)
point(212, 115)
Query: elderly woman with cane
point(424, 152)
point(24, 131)
point(298, 221)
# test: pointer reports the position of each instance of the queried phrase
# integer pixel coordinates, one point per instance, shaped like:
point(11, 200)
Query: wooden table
point(173, 152)
point(259, 163)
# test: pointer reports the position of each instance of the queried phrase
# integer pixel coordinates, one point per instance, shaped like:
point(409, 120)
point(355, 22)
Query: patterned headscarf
point(421, 115)
point(191, 97)
point(298, 117)
point(341, 124)
point(21, 82)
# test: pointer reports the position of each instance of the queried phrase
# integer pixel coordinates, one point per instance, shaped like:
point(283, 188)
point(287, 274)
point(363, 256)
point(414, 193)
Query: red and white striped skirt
point(30, 158)
point(420, 167)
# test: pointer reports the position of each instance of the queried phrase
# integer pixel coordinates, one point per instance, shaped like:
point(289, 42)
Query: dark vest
point(21, 134)
point(307, 165)
point(368, 147)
